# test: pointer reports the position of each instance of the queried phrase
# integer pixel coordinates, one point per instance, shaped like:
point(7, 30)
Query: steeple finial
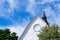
point(45, 18)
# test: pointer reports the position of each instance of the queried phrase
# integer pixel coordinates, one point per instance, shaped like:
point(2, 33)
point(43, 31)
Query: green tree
point(49, 33)
point(7, 35)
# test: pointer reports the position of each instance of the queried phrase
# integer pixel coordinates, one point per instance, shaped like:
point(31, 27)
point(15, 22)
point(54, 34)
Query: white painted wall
point(29, 33)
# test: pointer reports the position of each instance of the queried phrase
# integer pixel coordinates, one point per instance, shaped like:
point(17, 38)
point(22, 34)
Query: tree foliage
point(7, 35)
point(49, 33)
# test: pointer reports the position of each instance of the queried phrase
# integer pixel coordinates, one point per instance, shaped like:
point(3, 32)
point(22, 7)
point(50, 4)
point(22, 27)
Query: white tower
point(31, 31)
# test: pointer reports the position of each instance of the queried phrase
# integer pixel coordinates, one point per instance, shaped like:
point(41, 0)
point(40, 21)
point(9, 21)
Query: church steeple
point(45, 18)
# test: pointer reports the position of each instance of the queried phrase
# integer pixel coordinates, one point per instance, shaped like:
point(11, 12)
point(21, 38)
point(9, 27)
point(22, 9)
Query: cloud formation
point(18, 29)
point(22, 12)
point(51, 7)
point(13, 15)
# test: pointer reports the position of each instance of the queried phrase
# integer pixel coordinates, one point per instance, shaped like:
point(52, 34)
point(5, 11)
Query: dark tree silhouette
point(7, 35)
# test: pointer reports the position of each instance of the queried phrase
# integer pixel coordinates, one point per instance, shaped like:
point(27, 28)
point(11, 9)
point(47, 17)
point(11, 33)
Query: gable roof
point(29, 33)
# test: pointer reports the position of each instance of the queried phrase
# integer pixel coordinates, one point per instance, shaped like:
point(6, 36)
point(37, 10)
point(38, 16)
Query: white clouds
point(49, 12)
point(34, 6)
point(52, 16)
point(57, 7)
point(12, 12)
point(30, 7)
point(5, 8)
point(57, 19)
point(7, 12)
point(44, 1)
point(32, 1)
point(18, 29)
point(12, 3)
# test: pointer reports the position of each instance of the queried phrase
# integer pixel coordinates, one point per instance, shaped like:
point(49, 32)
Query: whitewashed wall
point(31, 34)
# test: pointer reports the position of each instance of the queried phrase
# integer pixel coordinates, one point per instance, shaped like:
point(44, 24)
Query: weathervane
point(37, 26)
point(45, 18)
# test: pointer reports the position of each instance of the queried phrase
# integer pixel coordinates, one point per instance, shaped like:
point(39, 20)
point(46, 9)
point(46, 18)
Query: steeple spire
point(45, 18)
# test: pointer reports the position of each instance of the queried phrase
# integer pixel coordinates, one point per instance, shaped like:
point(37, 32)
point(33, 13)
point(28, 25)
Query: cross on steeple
point(45, 18)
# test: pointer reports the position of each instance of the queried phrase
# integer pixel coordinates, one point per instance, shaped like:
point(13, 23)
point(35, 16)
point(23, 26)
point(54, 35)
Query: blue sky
point(15, 14)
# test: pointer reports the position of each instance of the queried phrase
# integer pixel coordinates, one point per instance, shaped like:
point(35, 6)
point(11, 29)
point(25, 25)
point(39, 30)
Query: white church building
point(32, 29)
